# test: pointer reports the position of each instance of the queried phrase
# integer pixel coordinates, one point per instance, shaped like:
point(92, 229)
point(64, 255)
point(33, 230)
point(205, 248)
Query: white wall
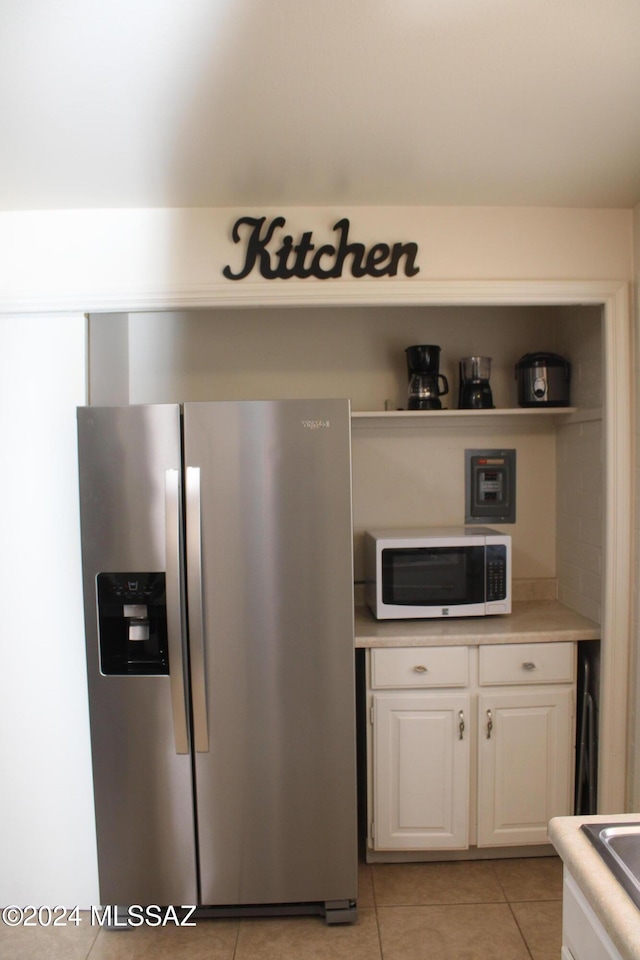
point(415, 477)
point(358, 352)
point(634, 712)
point(47, 835)
point(108, 359)
point(140, 259)
point(580, 491)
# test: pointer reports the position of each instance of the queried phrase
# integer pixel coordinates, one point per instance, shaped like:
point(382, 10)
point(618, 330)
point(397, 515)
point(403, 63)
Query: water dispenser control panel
point(132, 624)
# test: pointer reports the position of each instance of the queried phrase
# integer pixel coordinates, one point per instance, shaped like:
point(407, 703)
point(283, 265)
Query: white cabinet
point(421, 774)
point(525, 740)
point(583, 936)
point(524, 764)
point(420, 748)
point(469, 746)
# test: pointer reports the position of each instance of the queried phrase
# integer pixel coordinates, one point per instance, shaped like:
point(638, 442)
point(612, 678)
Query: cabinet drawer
point(526, 663)
point(420, 667)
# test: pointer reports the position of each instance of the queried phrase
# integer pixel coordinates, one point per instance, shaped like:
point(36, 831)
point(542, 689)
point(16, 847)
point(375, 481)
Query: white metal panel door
point(421, 771)
point(524, 764)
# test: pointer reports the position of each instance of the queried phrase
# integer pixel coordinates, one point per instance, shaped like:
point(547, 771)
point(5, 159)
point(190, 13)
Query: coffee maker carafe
point(426, 383)
point(475, 392)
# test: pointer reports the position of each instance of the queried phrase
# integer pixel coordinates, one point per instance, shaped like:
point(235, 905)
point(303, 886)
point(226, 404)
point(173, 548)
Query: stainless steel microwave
point(437, 572)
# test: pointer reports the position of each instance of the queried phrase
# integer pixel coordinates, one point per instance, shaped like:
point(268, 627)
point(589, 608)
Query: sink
point(619, 846)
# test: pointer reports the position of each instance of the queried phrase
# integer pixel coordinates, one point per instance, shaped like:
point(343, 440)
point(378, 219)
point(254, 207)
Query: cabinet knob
point(420, 668)
point(528, 665)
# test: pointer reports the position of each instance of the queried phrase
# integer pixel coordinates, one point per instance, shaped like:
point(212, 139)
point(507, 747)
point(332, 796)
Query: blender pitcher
point(475, 391)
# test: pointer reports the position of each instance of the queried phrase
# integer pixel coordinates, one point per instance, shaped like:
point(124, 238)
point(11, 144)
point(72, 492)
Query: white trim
point(618, 547)
point(284, 293)
point(613, 295)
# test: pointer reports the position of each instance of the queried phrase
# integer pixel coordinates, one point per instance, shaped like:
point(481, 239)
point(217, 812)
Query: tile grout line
point(93, 943)
point(498, 880)
point(511, 911)
point(375, 908)
point(513, 914)
point(235, 942)
point(520, 930)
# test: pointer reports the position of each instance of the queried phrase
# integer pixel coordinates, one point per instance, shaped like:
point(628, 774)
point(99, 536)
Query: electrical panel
point(490, 486)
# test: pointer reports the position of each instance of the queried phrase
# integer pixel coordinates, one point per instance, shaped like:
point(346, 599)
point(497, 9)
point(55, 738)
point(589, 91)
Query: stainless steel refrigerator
point(218, 591)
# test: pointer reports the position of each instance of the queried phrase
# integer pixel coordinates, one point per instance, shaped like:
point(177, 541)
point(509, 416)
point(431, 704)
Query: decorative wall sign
point(303, 259)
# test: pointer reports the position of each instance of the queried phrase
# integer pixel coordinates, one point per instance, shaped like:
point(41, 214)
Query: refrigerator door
point(130, 459)
point(270, 585)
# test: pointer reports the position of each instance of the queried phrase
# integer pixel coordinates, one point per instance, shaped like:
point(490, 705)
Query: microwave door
point(433, 576)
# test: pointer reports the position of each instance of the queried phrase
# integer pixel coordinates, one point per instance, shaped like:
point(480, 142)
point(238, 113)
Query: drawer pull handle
point(489, 724)
point(420, 668)
point(461, 725)
point(528, 665)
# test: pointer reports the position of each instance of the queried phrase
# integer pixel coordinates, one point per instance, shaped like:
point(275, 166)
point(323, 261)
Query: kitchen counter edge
point(531, 621)
point(615, 910)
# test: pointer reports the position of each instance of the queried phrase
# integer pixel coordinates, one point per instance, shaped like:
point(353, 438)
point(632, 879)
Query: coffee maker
point(475, 391)
point(426, 383)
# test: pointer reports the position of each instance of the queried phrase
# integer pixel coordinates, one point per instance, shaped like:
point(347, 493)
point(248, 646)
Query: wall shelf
point(432, 417)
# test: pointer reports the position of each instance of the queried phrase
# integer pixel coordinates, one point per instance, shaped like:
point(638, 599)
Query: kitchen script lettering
point(303, 259)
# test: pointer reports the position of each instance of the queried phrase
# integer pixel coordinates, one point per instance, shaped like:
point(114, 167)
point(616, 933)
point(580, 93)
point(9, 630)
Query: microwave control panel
point(496, 572)
point(490, 486)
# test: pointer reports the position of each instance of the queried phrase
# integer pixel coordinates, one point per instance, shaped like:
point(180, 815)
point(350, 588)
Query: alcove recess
point(408, 468)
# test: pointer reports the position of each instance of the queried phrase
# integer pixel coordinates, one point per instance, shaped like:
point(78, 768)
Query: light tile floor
point(471, 910)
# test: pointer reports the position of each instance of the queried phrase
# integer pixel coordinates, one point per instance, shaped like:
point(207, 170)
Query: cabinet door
point(524, 764)
point(421, 771)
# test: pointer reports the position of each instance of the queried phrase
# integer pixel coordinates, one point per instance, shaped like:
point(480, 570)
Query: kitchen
point(183, 360)
point(155, 260)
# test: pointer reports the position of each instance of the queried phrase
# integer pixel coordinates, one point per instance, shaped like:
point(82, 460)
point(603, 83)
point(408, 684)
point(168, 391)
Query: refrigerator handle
point(196, 614)
point(175, 619)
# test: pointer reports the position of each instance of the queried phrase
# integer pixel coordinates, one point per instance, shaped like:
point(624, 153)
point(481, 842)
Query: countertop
point(617, 913)
point(531, 621)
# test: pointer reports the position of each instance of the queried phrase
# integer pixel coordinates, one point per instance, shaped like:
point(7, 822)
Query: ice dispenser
point(132, 624)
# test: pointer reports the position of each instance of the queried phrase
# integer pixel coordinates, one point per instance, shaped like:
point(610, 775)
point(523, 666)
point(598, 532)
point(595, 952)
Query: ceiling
point(173, 103)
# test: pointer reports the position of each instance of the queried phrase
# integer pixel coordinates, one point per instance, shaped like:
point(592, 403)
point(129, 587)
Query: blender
point(423, 364)
point(475, 392)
